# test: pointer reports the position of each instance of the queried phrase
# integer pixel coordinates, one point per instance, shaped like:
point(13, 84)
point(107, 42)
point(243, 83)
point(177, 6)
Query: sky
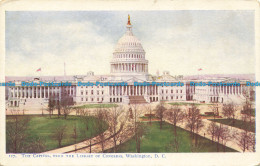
point(181, 42)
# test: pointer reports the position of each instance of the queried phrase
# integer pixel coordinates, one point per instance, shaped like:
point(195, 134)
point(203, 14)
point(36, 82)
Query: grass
point(238, 123)
point(186, 103)
point(43, 127)
point(156, 140)
point(148, 118)
point(97, 106)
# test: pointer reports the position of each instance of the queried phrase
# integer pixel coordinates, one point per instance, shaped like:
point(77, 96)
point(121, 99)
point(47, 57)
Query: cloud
point(176, 41)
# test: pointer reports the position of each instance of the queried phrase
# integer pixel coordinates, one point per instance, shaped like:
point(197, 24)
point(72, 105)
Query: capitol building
point(129, 65)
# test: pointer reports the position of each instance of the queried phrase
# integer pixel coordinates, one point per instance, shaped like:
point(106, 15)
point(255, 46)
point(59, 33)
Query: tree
point(212, 127)
point(175, 115)
point(16, 132)
point(193, 122)
point(136, 126)
point(86, 119)
point(58, 134)
point(242, 140)
point(51, 105)
point(192, 115)
point(149, 109)
point(247, 111)
point(37, 146)
point(225, 136)
point(251, 142)
point(66, 101)
point(215, 110)
point(75, 135)
point(101, 125)
point(245, 140)
point(140, 130)
point(229, 111)
point(160, 109)
point(198, 126)
point(116, 121)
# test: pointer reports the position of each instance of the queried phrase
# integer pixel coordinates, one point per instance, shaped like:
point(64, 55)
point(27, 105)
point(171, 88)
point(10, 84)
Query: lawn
point(156, 140)
point(186, 103)
point(43, 127)
point(238, 123)
point(97, 106)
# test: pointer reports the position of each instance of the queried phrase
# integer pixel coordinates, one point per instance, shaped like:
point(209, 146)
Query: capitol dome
point(128, 43)
point(129, 55)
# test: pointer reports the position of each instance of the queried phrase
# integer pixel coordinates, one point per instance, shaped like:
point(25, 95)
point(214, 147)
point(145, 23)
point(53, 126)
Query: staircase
point(137, 100)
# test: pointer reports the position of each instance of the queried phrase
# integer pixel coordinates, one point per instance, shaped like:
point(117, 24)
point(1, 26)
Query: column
point(48, 92)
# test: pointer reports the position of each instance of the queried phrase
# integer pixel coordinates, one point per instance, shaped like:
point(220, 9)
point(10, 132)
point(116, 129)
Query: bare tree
point(225, 136)
point(198, 126)
point(75, 135)
point(218, 134)
point(222, 135)
point(149, 109)
point(140, 130)
point(229, 111)
point(175, 115)
point(247, 111)
point(116, 123)
point(51, 105)
point(16, 132)
point(101, 125)
point(160, 109)
point(251, 142)
point(192, 115)
point(242, 140)
point(58, 134)
point(86, 119)
point(66, 102)
point(136, 126)
point(215, 110)
point(37, 146)
point(193, 122)
point(211, 130)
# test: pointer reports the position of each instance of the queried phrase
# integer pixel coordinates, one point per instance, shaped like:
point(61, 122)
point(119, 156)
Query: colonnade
point(132, 90)
point(39, 92)
point(129, 67)
point(235, 90)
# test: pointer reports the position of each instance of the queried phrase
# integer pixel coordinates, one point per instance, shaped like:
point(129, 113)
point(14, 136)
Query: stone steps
point(137, 100)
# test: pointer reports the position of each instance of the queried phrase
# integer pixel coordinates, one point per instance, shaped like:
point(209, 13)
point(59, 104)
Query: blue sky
point(219, 42)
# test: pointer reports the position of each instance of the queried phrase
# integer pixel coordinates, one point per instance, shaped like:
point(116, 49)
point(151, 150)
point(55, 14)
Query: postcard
point(129, 83)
